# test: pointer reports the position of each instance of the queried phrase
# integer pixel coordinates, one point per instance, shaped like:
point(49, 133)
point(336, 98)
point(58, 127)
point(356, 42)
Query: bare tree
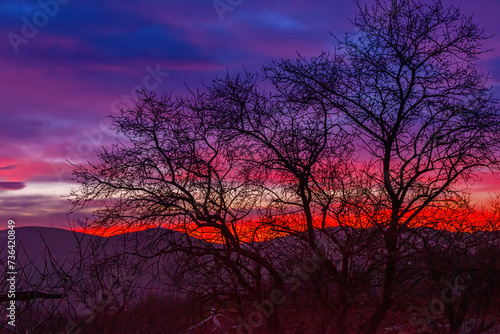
point(177, 173)
point(300, 156)
point(407, 84)
point(232, 166)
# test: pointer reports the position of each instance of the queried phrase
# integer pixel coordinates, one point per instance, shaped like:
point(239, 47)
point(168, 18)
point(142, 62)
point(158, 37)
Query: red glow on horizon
point(454, 220)
point(112, 231)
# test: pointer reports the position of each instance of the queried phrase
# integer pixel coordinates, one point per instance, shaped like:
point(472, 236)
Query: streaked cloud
point(12, 185)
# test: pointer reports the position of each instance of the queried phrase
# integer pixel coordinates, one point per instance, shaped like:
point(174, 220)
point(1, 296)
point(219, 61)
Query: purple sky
point(60, 80)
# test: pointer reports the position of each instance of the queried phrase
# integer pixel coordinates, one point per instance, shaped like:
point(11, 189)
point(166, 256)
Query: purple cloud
point(12, 185)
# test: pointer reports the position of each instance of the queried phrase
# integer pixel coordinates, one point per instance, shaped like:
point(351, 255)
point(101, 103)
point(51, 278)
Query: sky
point(68, 64)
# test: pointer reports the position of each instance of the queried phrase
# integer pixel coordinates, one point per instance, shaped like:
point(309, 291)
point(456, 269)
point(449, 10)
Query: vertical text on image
point(11, 272)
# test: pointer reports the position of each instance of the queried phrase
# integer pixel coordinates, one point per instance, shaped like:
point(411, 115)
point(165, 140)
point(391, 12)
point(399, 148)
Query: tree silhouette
point(342, 156)
point(407, 83)
point(178, 173)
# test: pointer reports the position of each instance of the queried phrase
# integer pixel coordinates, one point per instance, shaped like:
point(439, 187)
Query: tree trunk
point(391, 241)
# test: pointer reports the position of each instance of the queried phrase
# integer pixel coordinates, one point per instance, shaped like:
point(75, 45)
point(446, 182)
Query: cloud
point(8, 167)
point(12, 185)
point(37, 209)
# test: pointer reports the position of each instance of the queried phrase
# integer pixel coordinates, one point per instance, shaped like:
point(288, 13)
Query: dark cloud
point(8, 167)
point(12, 185)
